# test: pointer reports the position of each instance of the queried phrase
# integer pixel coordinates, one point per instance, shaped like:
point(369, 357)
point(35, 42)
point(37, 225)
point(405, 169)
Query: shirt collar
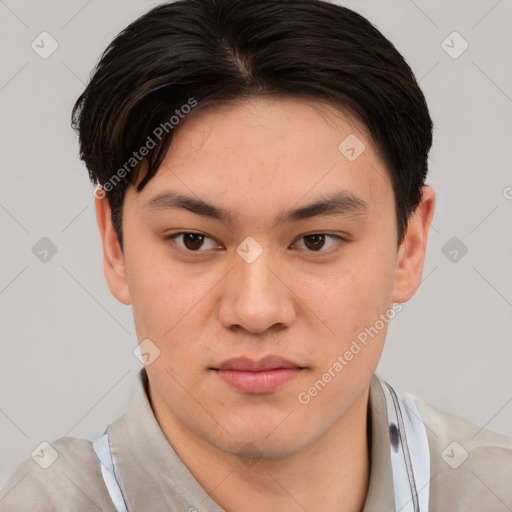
point(380, 494)
point(151, 474)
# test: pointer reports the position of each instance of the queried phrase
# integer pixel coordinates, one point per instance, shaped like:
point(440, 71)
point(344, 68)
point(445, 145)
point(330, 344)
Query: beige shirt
point(153, 478)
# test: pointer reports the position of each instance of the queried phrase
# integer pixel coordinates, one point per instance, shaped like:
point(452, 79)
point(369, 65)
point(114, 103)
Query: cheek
point(357, 307)
point(157, 304)
point(171, 307)
point(161, 301)
point(354, 296)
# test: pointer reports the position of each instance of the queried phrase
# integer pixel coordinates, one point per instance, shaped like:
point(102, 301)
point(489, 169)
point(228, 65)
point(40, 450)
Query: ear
point(411, 254)
point(113, 258)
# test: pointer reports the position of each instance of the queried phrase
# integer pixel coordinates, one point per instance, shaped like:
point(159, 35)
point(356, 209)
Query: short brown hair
point(214, 51)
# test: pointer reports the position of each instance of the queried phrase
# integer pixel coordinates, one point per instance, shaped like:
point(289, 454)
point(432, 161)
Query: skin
point(299, 299)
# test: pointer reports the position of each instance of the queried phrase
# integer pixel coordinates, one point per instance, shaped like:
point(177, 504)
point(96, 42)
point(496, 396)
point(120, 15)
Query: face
point(256, 261)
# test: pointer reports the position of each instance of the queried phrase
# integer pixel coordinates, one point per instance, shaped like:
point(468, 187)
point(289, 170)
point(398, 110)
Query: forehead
point(265, 150)
point(262, 125)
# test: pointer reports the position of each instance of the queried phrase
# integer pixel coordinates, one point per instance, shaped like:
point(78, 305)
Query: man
point(262, 206)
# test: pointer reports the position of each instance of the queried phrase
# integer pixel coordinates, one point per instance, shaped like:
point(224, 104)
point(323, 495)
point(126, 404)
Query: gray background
point(67, 366)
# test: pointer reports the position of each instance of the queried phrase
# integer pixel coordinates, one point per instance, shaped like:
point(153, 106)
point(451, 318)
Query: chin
point(254, 449)
point(266, 441)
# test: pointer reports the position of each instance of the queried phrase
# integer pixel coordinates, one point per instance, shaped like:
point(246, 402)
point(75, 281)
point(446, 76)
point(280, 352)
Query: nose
point(257, 296)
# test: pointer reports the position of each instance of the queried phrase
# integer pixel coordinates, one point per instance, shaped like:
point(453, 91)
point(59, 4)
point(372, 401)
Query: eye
point(196, 242)
point(192, 242)
point(316, 242)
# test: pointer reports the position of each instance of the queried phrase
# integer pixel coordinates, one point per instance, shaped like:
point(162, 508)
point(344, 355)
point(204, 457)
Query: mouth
point(258, 377)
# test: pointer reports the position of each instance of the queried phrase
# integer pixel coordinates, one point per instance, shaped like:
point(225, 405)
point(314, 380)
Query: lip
point(258, 377)
point(250, 365)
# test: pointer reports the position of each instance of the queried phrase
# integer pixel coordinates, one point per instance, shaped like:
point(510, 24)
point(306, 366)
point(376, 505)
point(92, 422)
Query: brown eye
point(314, 242)
point(319, 242)
point(192, 242)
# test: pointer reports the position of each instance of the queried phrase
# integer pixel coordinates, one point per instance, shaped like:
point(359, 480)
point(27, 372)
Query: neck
point(330, 474)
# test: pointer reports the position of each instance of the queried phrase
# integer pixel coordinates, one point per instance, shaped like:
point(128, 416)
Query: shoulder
point(471, 466)
point(61, 476)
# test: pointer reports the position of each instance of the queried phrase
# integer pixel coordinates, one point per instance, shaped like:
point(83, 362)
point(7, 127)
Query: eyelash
point(172, 237)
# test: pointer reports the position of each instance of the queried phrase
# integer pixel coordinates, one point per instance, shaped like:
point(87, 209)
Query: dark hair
point(198, 53)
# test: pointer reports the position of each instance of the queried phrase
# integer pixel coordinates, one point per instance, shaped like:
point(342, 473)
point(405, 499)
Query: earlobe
point(113, 258)
point(411, 254)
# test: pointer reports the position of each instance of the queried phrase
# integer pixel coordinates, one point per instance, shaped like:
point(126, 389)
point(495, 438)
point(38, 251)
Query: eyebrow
point(339, 203)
